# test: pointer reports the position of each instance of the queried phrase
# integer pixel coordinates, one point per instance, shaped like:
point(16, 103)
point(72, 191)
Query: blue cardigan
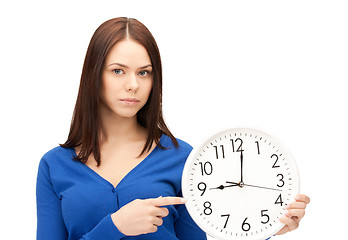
point(74, 202)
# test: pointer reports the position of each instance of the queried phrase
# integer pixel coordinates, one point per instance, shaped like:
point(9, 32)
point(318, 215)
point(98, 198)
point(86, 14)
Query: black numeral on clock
point(217, 151)
point(234, 144)
point(245, 226)
point(264, 215)
point(275, 163)
point(279, 200)
point(228, 216)
point(206, 168)
point(258, 147)
point(281, 180)
point(202, 187)
point(207, 209)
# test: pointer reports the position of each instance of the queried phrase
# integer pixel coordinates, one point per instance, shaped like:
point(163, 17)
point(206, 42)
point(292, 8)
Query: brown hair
point(85, 125)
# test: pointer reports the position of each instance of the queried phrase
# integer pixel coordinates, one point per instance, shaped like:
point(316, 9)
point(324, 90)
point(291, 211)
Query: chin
point(128, 114)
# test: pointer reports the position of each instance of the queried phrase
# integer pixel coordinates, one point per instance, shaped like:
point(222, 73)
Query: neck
point(116, 129)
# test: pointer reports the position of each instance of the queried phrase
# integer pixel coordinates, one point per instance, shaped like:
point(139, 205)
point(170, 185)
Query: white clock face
point(238, 184)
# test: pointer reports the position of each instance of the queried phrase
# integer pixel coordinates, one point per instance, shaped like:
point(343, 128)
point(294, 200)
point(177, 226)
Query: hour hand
point(221, 187)
point(240, 184)
point(232, 183)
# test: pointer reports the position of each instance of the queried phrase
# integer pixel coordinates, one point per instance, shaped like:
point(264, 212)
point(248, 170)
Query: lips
point(130, 101)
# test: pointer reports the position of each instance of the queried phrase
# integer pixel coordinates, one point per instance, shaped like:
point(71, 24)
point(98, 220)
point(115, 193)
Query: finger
point(158, 221)
point(290, 224)
point(285, 220)
point(161, 212)
point(165, 201)
point(296, 205)
point(282, 231)
point(302, 198)
point(299, 213)
point(152, 229)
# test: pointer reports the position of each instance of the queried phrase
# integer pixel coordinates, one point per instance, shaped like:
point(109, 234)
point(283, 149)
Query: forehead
point(128, 52)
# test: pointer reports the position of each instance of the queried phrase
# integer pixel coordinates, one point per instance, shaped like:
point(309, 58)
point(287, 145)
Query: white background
point(279, 66)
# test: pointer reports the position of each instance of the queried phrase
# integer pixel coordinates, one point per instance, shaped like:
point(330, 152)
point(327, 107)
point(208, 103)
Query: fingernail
point(183, 200)
point(297, 198)
point(287, 207)
point(286, 213)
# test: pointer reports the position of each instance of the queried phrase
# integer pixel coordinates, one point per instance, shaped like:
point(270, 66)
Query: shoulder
point(175, 156)
point(56, 154)
point(167, 142)
point(57, 164)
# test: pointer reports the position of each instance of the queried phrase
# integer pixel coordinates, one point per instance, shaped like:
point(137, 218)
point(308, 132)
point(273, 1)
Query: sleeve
point(105, 229)
point(185, 227)
point(50, 223)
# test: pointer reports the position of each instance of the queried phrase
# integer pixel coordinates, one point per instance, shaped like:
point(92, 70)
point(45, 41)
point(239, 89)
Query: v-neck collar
point(130, 173)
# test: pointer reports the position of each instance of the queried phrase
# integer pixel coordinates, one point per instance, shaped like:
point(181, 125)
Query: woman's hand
point(143, 216)
point(296, 211)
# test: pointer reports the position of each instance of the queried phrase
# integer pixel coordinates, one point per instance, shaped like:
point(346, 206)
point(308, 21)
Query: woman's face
point(126, 79)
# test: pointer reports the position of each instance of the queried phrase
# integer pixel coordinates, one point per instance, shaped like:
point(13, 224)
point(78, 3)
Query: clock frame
point(238, 183)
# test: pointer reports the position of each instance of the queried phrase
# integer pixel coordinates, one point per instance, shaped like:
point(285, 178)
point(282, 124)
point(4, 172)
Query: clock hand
point(240, 184)
point(263, 187)
point(241, 166)
point(232, 183)
point(243, 184)
point(222, 186)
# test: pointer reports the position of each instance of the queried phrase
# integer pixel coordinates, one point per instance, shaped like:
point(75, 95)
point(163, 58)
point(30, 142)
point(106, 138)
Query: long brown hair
point(86, 124)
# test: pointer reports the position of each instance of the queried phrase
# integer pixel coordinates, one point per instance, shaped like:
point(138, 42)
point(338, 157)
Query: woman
point(118, 174)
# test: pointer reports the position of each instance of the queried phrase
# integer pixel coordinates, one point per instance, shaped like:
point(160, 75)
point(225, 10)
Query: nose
point(132, 83)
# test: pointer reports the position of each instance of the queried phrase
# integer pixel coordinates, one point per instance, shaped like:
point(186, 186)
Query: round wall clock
point(238, 183)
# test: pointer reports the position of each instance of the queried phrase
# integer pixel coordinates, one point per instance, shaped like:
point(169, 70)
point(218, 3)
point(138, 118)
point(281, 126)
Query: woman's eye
point(144, 73)
point(118, 71)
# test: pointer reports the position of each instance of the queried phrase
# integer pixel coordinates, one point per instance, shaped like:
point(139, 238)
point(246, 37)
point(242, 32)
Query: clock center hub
point(241, 184)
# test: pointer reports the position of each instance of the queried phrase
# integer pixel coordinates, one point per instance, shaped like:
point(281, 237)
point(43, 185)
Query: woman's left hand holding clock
point(296, 211)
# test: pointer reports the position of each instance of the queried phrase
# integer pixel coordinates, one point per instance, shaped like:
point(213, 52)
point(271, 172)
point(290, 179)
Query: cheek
point(144, 88)
point(107, 93)
point(110, 87)
point(149, 87)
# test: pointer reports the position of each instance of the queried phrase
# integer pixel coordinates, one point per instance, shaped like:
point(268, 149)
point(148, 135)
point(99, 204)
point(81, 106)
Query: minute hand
point(241, 166)
point(258, 187)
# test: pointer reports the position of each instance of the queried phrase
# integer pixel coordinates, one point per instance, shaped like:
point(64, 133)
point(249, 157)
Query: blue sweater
point(74, 202)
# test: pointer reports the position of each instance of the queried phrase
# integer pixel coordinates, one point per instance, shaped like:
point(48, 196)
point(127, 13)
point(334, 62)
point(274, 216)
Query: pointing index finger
point(165, 201)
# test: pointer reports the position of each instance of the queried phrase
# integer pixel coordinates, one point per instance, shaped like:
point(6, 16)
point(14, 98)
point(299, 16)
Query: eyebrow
point(125, 66)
